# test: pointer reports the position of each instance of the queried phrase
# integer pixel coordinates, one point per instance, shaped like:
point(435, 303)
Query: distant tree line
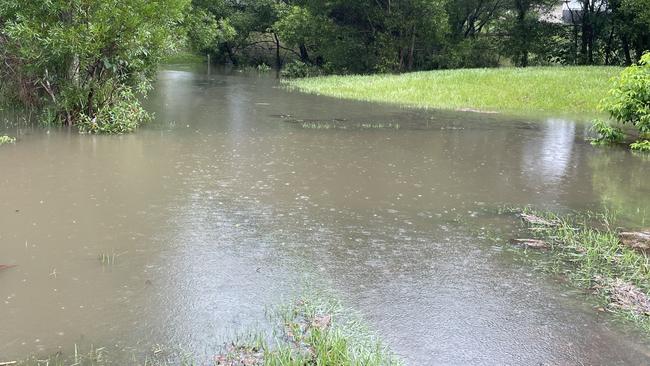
point(87, 62)
point(402, 35)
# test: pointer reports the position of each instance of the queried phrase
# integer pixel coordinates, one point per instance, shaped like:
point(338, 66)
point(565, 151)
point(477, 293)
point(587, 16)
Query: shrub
point(606, 133)
point(299, 69)
point(263, 67)
point(641, 145)
point(123, 116)
point(628, 102)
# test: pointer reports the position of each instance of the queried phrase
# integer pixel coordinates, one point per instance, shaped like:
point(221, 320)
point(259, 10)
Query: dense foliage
point(628, 102)
point(360, 36)
point(88, 62)
point(83, 60)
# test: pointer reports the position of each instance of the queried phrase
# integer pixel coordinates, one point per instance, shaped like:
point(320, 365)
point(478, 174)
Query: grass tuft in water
point(109, 258)
point(591, 254)
point(94, 357)
point(312, 332)
point(4, 139)
point(346, 126)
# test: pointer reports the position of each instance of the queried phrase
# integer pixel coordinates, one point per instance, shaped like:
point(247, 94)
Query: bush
point(263, 67)
point(299, 69)
point(628, 102)
point(123, 116)
point(606, 133)
point(642, 145)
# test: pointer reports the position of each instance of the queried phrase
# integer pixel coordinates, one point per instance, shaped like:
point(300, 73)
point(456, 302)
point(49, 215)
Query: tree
point(635, 27)
point(84, 59)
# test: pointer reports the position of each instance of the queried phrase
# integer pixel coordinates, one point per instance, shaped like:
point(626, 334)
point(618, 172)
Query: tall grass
point(322, 332)
point(573, 91)
point(593, 257)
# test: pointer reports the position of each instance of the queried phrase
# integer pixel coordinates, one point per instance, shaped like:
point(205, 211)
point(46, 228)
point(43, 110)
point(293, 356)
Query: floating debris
point(531, 243)
point(472, 110)
point(6, 266)
point(536, 220)
point(322, 321)
point(239, 355)
point(629, 297)
point(639, 240)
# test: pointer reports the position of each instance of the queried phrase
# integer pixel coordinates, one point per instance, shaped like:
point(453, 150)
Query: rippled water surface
point(239, 190)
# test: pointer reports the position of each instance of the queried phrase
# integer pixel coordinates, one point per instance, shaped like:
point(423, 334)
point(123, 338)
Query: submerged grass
point(310, 331)
point(4, 139)
point(594, 258)
point(573, 91)
point(346, 126)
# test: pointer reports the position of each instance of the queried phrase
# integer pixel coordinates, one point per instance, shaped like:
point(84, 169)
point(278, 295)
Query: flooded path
point(240, 190)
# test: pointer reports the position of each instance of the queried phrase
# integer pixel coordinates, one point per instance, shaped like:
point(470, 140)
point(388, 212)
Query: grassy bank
point(588, 249)
point(310, 331)
point(184, 57)
point(534, 90)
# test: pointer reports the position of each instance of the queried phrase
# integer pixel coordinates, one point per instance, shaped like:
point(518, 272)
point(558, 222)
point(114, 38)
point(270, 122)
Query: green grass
point(574, 91)
point(7, 140)
point(184, 57)
point(311, 330)
point(587, 249)
point(319, 332)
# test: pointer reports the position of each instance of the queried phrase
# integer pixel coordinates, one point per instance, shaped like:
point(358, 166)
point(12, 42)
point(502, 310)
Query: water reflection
point(547, 161)
point(621, 179)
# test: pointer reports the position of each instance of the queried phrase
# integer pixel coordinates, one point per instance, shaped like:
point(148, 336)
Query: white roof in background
point(572, 4)
point(562, 13)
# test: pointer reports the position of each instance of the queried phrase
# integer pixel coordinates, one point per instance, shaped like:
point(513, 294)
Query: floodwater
point(240, 190)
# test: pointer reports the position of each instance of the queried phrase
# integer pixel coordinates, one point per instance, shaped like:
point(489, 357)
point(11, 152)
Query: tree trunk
point(411, 58)
point(626, 50)
point(278, 59)
point(585, 52)
point(231, 56)
point(304, 55)
point(608, 47)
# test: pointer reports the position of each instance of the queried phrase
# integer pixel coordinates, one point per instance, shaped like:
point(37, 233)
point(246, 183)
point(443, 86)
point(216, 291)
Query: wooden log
point(531, 243)
point(637, 240)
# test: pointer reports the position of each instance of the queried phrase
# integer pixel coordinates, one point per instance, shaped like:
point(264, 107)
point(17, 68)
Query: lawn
point(573, 91)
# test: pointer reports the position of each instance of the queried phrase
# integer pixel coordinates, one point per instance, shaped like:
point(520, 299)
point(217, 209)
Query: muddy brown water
point(239, 190)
